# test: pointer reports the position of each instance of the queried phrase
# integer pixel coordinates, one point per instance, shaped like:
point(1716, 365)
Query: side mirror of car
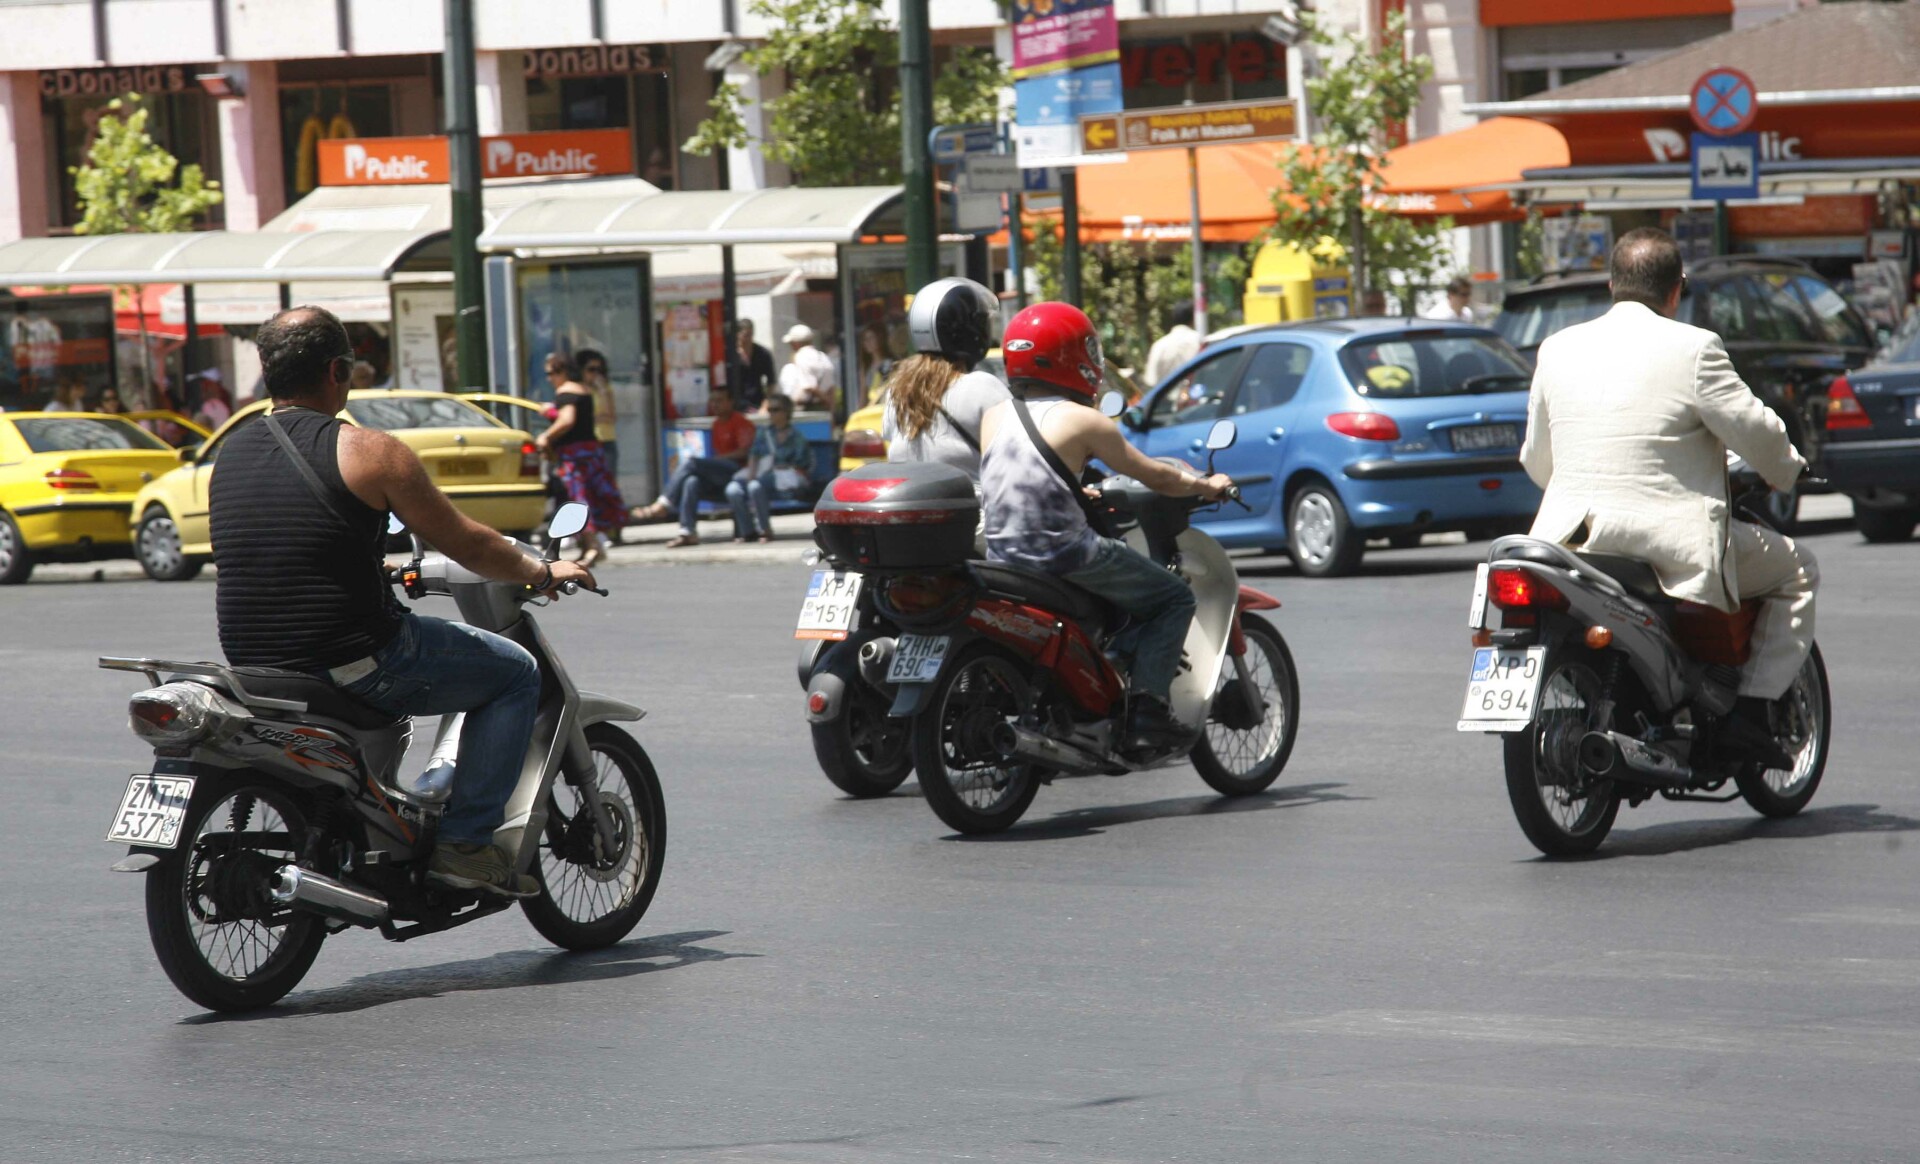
point(1222, 435)
point(1135, 418)
point(188, 454)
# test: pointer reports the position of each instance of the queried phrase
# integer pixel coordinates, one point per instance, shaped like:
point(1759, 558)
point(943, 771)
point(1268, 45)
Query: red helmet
point(1054, 343)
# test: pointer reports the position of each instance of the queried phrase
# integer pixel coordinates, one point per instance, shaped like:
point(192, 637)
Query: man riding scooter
point(1628, 429)
point(1037, 515)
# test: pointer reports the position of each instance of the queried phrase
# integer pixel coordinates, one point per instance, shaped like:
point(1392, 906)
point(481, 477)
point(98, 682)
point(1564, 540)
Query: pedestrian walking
point(579, 461)
point(1458, 307)
point(593, 373)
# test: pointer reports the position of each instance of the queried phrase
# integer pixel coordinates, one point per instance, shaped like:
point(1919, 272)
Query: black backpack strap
point(305, 469)
point(961, 429)
point(1096, 516)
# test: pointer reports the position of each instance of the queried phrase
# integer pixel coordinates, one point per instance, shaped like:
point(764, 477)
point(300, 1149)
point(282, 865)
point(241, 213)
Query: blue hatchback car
point(1352, 429)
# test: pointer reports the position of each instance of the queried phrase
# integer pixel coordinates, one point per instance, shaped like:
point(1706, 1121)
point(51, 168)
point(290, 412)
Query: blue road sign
point(1724, 101)
point(952, 143)
point(1726, 166)
point(1043, 180)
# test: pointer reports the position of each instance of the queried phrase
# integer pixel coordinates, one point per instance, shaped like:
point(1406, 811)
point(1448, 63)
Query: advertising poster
point(424, 350)
point(686, 347)
point(1048, 108)
point(1052, 35)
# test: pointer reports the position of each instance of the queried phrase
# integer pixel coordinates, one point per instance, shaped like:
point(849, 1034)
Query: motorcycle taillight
point(1511, 588)
point(924, 593)
point(174, 713)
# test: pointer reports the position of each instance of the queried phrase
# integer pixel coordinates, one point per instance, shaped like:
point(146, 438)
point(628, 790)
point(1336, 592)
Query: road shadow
point(1408, 564)
point(1830, 525)
point(1687, 835)
point(509, 970)
point(1089, 822)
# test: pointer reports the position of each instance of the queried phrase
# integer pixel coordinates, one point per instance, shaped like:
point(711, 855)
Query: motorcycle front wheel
point(862, 752)
point(977, 691)
point(219, 936)
point(1562, 810)
point(592, 892)
point(1802, 723)
point(1240, 761)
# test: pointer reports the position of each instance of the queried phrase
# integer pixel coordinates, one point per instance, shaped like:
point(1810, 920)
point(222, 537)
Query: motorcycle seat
point(1044, 590)
point(320, 695)
point(1638, 577)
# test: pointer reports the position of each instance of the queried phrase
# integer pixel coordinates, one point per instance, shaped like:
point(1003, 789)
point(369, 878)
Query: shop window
point(642, 102)
point(1519, 84)
point(54, 344)
point(310, 114)
point(182, 123)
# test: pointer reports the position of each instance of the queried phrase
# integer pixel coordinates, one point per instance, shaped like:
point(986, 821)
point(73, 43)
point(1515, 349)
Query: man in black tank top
point(301, 583)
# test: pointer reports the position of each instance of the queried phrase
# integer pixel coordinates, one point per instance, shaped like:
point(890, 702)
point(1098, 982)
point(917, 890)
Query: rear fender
point(1640, 632)
point(1249, 599)
point(810, 652)
point(835, 670)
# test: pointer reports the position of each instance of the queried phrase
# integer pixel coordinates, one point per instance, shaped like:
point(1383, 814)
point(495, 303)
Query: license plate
point(1501, 687)
point(1474, 437)
point(152, 811)
point(917, 658)
point(827, 612)
point(463, 468)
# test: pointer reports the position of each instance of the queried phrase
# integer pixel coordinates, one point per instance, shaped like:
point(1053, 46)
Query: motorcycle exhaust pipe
point(1015, 744)
point(295, 886)
point(876, 655)
point(1615, 756)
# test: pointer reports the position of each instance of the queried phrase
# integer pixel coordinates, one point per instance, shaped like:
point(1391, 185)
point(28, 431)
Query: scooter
point(1604, 689)
point(277, 813)
point(1007, 678)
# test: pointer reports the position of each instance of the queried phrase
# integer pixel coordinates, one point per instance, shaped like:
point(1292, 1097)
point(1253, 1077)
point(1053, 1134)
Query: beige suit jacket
point(1628, 429)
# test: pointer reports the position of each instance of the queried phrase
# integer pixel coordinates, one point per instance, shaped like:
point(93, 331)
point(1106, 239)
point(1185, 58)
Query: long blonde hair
point(918, 384)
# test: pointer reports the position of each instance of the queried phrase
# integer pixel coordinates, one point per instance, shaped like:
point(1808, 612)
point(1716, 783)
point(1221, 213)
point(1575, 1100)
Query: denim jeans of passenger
point(433, 667)
point(1159, 600)
point(697, 477)
point(758, 493)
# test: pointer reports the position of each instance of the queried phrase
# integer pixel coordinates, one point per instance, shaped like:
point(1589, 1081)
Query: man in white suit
point(1628, 429)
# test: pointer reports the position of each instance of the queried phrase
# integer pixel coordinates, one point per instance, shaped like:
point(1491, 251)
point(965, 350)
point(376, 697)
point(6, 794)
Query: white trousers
point(1770, 567)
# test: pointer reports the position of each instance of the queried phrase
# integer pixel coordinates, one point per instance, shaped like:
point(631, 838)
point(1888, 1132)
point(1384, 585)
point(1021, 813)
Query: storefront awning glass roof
point(324, 256)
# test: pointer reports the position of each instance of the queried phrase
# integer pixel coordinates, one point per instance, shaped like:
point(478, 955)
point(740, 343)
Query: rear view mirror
point(568, 520)
point(188, 455)
point(1222, 435)
point(1112, 404)
point(394, 525)
point(1135, 418)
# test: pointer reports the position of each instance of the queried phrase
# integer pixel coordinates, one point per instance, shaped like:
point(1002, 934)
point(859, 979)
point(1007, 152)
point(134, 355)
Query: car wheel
point(157, 544)
point(16, 561)
point(1885, 525)
point(1320, 538)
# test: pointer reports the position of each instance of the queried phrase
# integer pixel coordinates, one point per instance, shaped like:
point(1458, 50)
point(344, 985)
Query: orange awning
point(1446, 175)
point(1145, 197)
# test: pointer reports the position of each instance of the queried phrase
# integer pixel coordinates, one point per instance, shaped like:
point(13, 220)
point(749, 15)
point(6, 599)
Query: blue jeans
point(759, 493)
point(697, 477)
point(433, 667)
point(1160, 602)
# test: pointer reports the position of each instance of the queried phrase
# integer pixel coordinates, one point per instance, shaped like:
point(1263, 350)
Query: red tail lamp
point(1366, 426)
point(1843, 408)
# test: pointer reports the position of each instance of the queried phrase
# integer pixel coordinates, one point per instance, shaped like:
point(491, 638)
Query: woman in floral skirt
point(580, 462)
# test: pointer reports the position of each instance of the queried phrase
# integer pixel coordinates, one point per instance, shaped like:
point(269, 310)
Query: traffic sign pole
point(1198, 244)
point(1070, 244)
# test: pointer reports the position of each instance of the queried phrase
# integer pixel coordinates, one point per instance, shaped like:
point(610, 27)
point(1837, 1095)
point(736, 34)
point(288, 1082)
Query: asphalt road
point(1368, 963)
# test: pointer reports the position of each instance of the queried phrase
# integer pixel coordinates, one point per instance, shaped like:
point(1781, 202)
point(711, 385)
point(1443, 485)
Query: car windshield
point(66, 434)
point(391, 413)
point(1527, 321)
point(1433, 364)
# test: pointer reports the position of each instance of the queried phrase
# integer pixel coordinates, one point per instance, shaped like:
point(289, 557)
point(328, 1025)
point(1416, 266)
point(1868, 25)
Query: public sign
point(1184, 126)
point(1724, 102)
point(992, 174)
point(1048, 109)
point(951, 143)
point(412, 161)
point(1726, 166)
point(1051, 36)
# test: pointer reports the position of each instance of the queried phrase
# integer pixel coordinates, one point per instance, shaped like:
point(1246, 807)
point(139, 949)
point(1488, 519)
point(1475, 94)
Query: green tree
point(1328, 190)
point(130, 183)
point(838, 122)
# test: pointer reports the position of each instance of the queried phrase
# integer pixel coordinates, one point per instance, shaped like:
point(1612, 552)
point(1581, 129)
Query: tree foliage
point(838, 121)
point(1328, 191)
point(130, 183)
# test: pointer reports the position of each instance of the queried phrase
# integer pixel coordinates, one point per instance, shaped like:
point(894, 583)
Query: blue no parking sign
point(1724, 102)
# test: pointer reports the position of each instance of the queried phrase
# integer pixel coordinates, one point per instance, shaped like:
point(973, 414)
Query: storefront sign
point(601, 60)
point(1726, 166)
point(113, 82)
point(1053, 35)
point(405, 161)
point(1181, 126)
point(1248, 60)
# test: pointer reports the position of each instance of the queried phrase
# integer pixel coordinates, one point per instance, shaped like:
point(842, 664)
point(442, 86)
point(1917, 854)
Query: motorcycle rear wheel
point(1563, 811)
point(983, 685)
point(862, 753)
point(591, 897)
point(1803, 723)
point(1241, 763)
point(218, 936)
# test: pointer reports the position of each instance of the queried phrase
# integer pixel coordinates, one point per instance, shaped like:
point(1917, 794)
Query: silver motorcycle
point(1604, 689)
point(279, 809)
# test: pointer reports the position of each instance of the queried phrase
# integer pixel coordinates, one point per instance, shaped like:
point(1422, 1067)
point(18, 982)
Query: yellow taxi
point(67, 485)
point(490, 470)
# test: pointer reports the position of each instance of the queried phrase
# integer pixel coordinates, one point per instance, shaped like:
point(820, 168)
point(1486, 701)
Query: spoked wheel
point(862, 751)
point(157, 544)
point(219, 936)
point(1238, 754)
point(1802, 722)
point(1563, 811)
point(952, 745)
point(593, 893)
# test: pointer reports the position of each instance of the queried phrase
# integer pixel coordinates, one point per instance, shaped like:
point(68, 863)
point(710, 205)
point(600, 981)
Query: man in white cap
point(809, 380)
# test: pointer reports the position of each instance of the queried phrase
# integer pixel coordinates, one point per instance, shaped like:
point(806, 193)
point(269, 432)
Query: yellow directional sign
point(1183, 126)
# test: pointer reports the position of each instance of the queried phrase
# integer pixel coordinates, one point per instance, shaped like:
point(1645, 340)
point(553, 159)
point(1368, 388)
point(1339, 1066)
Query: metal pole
point(1199, 246)
point(916, 122)
point(286, 296)
point(188, 363)
point(463, 156)
point(729, 308)
point(1070, 244)
point(1722, 228)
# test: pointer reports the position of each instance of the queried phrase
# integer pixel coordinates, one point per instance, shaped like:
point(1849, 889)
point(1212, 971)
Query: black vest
point(299, 585)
